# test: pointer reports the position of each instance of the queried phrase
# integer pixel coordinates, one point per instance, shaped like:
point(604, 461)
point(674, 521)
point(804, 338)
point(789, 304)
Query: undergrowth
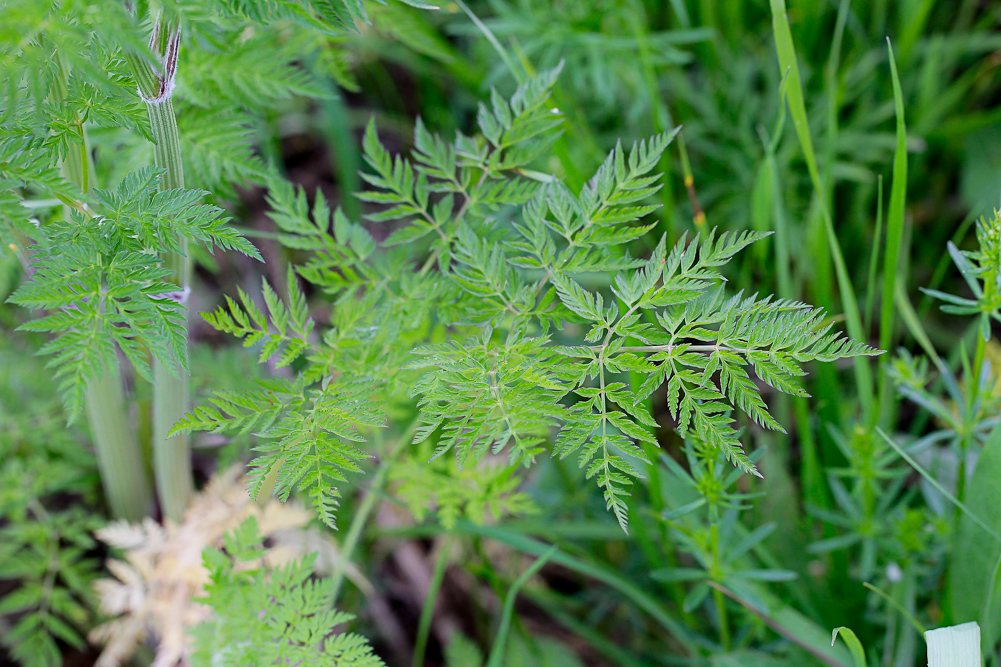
point(589, 331)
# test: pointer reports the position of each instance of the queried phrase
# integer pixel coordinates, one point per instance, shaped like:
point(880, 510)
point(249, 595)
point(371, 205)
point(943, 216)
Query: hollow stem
point(171, 456)
point(119, 459)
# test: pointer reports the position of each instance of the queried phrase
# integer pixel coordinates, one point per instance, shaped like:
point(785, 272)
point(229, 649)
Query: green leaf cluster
point(46, 558)
point(980, 270)
point(478, 306)
point(279, 616)
point(99, 274)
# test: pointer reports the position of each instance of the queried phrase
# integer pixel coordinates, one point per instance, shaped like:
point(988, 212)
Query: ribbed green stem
point(171, 456)
point(119, 458)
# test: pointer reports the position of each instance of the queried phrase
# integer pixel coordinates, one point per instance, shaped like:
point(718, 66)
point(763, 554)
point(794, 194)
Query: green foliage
point(516, 296)
point(46, 557)
point(979, 269)
point(976, 554)
point(476, 493)
point(99, 270)
point(723, 560)
point(503, 380)
point(281, 616)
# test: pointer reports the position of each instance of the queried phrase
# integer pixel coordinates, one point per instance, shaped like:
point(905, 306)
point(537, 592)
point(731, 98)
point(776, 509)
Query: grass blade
point(427, 611)
point(896, 605)
point(611, 578)
point(938, 487)
point(870, 293)
point(797, 109)
point(854, 645)
point(894, 233)
point(822, 654)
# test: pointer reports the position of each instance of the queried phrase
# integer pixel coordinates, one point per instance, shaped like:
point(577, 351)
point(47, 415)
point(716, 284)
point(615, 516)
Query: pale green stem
point(171, 456)
point(500, 641)
point(365, 510)
point(716, 569)
point(119, 457)
point(357, 524)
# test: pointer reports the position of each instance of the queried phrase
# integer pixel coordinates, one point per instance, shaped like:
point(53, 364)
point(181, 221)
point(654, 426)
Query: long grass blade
point(778, 627)
point(518, 74)
point(896, 605)
point(877, 237)
point(614, 580)
point(797, 108)
point(894, 234)
point(427, 611)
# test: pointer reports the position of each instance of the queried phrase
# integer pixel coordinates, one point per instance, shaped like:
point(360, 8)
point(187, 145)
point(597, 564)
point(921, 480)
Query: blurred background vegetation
point(839, 507)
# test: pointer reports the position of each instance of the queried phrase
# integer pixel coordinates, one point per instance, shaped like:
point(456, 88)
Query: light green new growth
point(529, 351)
point(284, 616)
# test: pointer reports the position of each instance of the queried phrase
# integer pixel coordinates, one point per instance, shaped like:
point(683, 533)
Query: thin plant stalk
point(715, 566)
point(500, 641)
point(119, 457)
point(427, 611)
point(364, 511)
point(171, 455)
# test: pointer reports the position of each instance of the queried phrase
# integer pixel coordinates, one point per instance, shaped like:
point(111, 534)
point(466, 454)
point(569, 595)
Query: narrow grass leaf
point(895, 218)
point(896, 605)
point(794, 94)
point(941, 489)
point(500, 641)
point(854, 645)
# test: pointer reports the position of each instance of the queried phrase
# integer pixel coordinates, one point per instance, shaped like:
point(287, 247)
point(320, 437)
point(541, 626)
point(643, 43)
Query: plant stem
point(365, 509)
point(427, 611)
point(171, 456)
point(119, 458)
point(500, 641)
point(716, 569)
